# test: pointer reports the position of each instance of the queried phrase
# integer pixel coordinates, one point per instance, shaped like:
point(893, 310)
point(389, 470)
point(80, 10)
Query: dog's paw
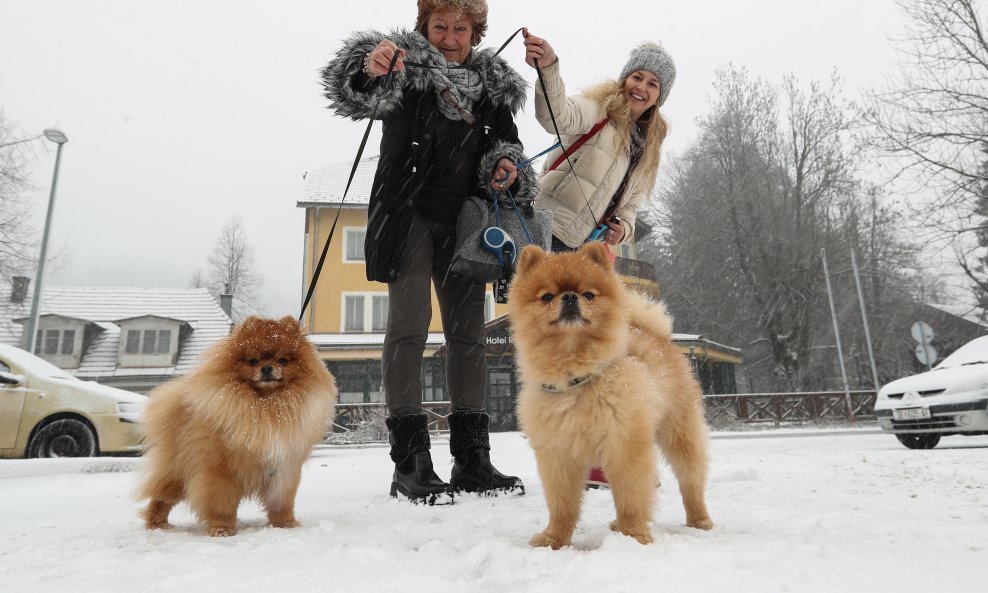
point(542, 540)
point(706, 523)
point(285, 523)
point(165, 525)
point(643, 537)
point(218, 531)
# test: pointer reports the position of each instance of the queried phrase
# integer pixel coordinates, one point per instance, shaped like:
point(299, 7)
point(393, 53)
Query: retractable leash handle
point(598, 233)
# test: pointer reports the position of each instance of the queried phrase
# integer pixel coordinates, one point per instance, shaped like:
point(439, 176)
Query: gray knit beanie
point(651, 57)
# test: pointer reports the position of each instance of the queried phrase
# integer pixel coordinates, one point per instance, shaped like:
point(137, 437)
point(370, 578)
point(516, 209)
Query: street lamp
point(60, 139)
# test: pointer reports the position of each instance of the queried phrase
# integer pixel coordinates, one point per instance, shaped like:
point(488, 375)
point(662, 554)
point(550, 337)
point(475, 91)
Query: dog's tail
point(650, 316)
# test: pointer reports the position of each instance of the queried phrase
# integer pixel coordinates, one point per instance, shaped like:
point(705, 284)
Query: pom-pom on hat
point(476, 11)
point(651, 57)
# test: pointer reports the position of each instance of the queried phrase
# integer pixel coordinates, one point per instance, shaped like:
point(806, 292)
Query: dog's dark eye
point(282, 361)
point(547, 297)
point(589, 296)
point(252, 362)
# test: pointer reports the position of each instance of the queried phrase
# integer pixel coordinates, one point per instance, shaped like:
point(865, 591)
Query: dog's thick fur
point(572, 319)
point(240, 426)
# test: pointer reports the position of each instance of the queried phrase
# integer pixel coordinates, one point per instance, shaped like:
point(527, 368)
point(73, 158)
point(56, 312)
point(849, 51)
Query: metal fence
point(722, 411)
point(731, 409)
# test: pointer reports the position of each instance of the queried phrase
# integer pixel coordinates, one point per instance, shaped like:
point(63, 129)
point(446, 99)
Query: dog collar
point(571, 385)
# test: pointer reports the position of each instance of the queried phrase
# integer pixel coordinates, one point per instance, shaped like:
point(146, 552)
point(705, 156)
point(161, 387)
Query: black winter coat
point(410, 115)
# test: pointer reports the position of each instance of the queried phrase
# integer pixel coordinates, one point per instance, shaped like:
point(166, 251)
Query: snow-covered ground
point(799, 511)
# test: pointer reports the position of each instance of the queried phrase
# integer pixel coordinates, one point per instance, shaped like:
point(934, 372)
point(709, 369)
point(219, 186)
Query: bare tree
point(17, 238)
point(198, 280)
point(231, 269)
point(744, 215)
point(931, 121)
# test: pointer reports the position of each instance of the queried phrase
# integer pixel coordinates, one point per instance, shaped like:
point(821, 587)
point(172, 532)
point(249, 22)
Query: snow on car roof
point(33, 364)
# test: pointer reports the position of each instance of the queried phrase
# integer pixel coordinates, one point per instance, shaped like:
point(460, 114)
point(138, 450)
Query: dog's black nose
point(570, 298)
point(266, 369)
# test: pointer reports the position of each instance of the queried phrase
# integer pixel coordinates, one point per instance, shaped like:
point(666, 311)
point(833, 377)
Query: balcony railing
point(634, 268)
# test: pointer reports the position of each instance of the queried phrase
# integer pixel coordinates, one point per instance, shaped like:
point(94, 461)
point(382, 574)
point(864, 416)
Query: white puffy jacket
point(599, 166)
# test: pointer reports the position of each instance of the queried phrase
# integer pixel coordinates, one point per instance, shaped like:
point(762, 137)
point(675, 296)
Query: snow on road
point(803, 512)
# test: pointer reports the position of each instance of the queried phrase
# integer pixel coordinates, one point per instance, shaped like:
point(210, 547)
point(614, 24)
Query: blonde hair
point(475, 10)
point(610, 95)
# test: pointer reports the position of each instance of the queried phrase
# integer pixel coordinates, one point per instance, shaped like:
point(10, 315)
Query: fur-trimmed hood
point(503, 85)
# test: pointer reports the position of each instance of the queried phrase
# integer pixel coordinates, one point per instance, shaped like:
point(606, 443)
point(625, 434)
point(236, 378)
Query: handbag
point(491, 232)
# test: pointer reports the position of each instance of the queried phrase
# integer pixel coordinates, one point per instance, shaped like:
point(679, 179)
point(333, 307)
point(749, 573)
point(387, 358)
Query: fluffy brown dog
point(601, 383)
point(240, 426)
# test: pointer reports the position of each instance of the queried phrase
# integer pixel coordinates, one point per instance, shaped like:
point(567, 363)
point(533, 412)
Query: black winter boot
point(414, 477)
point(469, 442)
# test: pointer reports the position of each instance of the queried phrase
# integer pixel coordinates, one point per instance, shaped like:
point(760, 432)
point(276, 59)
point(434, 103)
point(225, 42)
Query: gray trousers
point(426, 261)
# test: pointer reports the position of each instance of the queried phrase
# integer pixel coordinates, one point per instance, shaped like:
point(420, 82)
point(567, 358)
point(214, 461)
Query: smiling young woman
point(623, 154)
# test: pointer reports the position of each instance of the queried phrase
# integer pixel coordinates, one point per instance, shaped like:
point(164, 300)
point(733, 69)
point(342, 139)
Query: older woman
point(448, 132)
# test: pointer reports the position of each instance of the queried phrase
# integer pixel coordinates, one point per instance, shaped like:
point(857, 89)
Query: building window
point(359, 315)
point(51, 341)
point(351, 397)
point(379, 317)
point(164, 341)
point(68, 341)
point(354, 313)
point(488, 307)
point(133, 341)
point(149, 341)
point(626, 251)
point(353, 245)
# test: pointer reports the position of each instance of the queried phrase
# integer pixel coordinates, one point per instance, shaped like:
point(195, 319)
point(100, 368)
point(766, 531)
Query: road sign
point(926, 354)
point(922, 332)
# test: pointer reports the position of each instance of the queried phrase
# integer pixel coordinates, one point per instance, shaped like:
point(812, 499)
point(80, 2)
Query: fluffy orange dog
point(240, 426)
point(602, 382)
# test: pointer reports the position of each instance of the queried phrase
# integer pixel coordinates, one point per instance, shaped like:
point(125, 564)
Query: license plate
point(911, 414)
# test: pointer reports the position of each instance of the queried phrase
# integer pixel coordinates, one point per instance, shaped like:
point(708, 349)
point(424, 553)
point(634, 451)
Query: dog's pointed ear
point(597, 253)
point(530, 256)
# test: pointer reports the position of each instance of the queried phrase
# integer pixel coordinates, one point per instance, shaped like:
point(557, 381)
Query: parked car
point(950, 399)
point(46, 412)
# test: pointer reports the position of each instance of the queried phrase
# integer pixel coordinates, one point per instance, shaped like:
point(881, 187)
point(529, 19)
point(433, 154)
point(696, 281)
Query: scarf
point(461, 86)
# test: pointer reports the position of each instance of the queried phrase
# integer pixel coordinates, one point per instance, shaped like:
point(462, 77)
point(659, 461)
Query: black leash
point(356, 163)
point(353, 171)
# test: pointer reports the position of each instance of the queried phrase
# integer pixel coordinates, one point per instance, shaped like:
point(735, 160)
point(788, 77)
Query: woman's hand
point(538, 50)
point(615, 231)
point(504, 175)
point(379, 59)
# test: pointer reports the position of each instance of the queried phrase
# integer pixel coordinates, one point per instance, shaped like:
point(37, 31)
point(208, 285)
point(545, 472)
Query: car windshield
point(974, 352)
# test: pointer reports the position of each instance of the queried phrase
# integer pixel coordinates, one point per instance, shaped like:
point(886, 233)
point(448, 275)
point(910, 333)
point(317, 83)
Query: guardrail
point(722, 410)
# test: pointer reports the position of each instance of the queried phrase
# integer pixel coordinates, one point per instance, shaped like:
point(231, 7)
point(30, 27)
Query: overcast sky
point(181, 114)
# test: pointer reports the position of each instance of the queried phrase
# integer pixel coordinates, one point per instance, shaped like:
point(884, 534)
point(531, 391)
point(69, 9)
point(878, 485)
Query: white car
point(950, 399)
point(46, 412)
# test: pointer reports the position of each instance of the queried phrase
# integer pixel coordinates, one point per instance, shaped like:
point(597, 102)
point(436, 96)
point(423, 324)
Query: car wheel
point(919, 440)
point(63, 438)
